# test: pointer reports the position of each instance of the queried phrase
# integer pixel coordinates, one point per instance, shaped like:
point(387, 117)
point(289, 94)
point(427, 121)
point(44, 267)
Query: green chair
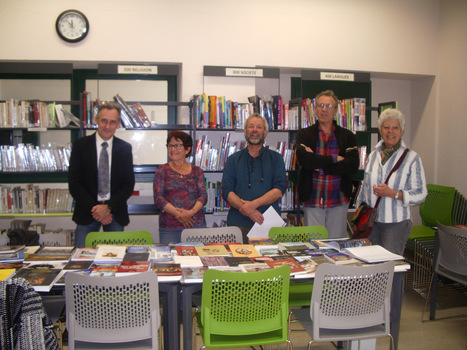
point(241, 309)
point(299, 292)
point(297, 233)
point(118, 238)
point(436, 208)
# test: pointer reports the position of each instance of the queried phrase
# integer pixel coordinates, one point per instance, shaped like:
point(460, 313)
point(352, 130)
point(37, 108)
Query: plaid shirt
point(326, 191)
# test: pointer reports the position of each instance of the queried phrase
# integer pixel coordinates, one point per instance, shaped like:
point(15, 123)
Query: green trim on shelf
point(33, 177)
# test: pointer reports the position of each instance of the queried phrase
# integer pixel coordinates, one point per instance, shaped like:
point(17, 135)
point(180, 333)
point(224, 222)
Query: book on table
point(189, 260)
point(211, 250)
point(295, 267)
point(166, 269)
point(84, 254)
point(235, 261)
point(307, 263)
point(160, 253)
point(340, 258)
point(285, 246)
point(214, 260)
point(254, 267)
point(78, 265)
point(243, 250)
point(109, 253)
point(186, 250)
point(41, 278)
point(193, 274)
point(6, 274)
point(373, 254)
point(342, 244)
point(140, 256)
point(133, 266)
point(5, 249)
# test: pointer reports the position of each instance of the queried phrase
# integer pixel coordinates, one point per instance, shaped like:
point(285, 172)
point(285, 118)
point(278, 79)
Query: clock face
point(72, 26)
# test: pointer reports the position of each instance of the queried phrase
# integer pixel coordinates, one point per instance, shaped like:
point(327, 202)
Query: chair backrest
point(112, 309)
point(297, 233)
point(452, 249)
point(240, 303)
point(347, 297)
point(119, 238)
point(438, 205)
point(225, 234)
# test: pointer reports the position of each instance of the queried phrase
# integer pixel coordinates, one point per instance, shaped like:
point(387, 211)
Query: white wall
point(420, 39)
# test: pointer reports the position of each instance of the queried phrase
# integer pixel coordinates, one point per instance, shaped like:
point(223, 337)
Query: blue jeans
point(82, 230)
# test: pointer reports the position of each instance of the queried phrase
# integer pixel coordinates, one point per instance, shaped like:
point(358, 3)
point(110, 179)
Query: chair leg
point(429, 296)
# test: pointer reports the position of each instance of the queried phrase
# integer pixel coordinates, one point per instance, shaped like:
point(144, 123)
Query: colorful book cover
point(340, 258)
point(295, 267)
point(186, 250)
point(211, 250)
point(235, 261)
point(87, 254)
point(167, 269)
point(215, 260)
point(78, 265)
point(243, 250)
point(161, 253)
point(193, 273)
point(110, 253)
point(134, 266)
point(41, 279)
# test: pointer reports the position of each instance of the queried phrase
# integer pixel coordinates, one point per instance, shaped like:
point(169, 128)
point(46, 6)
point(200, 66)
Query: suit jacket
point(82, 179)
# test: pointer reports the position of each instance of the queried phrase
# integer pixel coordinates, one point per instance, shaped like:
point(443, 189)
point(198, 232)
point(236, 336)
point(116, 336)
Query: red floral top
point(182, 191)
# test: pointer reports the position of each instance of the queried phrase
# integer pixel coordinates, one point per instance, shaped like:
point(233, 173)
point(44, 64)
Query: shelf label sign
point(126, 69)
point(243, 72)
point(337, 76)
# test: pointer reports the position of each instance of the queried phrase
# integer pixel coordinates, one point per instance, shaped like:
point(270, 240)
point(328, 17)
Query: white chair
point(225, 234)
point(120, 311)
point(450, 260)
point(349, 303)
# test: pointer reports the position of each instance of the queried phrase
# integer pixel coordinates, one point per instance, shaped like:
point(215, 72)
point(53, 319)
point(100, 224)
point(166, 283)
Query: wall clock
point(72, 26)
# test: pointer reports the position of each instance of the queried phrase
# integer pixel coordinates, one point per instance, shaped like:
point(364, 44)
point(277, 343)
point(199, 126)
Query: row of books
point(30, 158)
point(46, 266)
point(35, 114)
point(209, 158)
point(213, 112)
point(32, 199)
point(350, 113)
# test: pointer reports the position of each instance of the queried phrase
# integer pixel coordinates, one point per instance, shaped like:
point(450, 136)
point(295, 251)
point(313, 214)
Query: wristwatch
point(397, 195)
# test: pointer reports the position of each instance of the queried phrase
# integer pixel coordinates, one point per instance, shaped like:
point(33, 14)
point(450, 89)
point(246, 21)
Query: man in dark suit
point(98, 204)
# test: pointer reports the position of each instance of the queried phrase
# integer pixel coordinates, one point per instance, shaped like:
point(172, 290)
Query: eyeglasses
point(176, 146)
point(322, 105)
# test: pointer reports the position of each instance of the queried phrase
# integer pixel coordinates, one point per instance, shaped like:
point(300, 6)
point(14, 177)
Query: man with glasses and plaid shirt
point(328, 156)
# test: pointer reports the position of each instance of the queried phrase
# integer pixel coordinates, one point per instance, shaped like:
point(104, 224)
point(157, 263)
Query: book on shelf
point(142, 115)
point(211, 250)
point(41, 278)
point(134, 266)
point(372, 254)
point(166, 269)
point(109, 253)
point(187, 260)
point(243, 250)
point(193, 274)
point(254, 267)
point(339, 258)
point(295, 267)
point(341, 244)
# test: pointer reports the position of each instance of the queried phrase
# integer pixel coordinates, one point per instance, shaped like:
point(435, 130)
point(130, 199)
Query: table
point(188, 289)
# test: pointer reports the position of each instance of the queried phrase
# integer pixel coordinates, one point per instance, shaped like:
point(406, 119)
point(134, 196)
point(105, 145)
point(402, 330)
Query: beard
point(254, 139)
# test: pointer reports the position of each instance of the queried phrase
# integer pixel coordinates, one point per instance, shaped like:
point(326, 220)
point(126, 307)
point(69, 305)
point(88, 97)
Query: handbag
point(364, 218)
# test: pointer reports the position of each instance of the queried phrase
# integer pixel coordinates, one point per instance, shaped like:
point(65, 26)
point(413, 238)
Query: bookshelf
point(228, 80)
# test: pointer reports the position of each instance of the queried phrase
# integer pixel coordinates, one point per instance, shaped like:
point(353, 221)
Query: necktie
point(103, 183)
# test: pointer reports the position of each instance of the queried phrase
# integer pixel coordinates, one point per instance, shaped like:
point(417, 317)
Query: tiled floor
point(446, 334)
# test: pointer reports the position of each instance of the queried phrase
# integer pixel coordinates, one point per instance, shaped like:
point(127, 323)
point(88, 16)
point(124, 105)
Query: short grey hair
point(257, 115)
point(391, 113)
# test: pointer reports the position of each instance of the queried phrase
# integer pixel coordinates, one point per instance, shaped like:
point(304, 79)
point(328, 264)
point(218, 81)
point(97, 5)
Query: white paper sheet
point(271, 219)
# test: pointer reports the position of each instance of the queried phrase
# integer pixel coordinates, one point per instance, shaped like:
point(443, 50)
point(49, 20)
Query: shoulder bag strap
point(396, 166)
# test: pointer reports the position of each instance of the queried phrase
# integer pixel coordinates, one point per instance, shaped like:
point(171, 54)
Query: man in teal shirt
point(254, 178)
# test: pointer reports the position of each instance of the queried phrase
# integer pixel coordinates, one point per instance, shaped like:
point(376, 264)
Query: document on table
point(271, 219)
